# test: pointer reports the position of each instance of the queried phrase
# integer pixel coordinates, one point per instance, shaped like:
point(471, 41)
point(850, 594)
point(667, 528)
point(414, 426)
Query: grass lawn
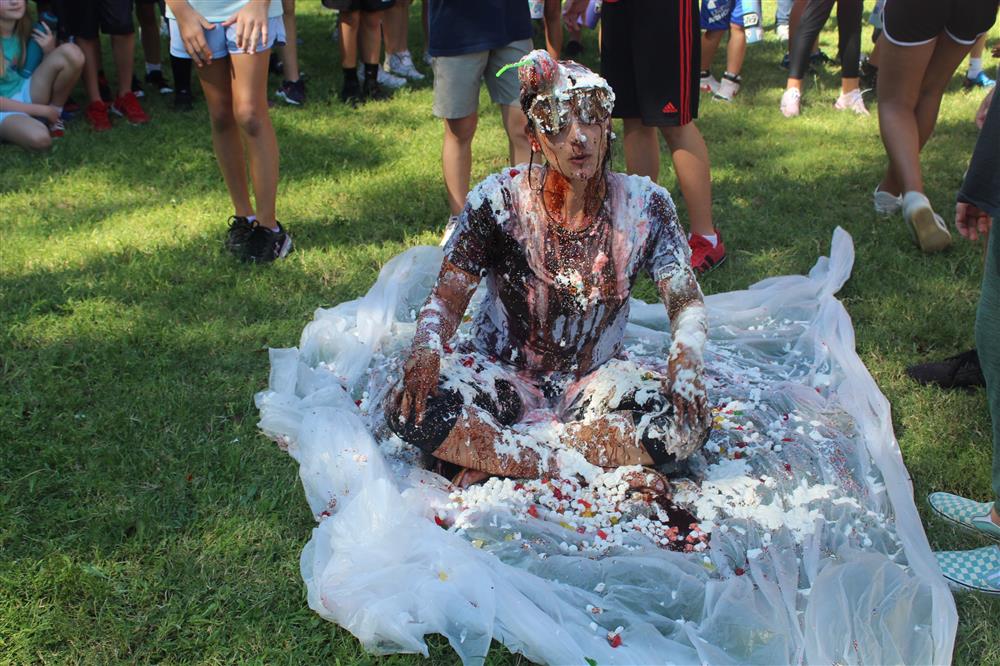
point(143, 518)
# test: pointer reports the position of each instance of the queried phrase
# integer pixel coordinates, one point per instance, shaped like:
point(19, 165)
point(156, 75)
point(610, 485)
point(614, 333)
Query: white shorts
point(23, 95)
point(222, 41)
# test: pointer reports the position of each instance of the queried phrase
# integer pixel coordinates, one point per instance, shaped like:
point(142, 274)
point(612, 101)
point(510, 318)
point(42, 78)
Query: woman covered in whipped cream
point(545, 384)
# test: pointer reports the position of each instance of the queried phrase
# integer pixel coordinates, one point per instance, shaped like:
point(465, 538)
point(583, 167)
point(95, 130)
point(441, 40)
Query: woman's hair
point(22, 32)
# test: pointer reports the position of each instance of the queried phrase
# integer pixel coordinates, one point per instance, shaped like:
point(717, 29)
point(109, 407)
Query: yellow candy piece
point(442, 576)
point(478, 543)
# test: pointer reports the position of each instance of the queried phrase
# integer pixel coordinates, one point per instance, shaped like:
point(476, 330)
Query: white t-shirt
point(217, 11)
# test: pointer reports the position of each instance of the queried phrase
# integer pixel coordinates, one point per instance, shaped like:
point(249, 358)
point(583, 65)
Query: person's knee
point(38, 139)
point(461, 130)
point(250, 117)
point(221, 116)
point(73, 55)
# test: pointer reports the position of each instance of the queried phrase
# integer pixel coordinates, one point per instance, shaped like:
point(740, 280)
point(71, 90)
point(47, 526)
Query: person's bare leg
point(349, 24)
point(250, 111)
point(290, 51)
point(847, 85)
point(26, 132)
point(216, 84)
point(456, 157)
point(694, 174)
point(149, 32)
point(92, 63)
point(948, 55)
point(710, 40)
point(552, 20)
point(123, 50)
point(53, 79)
point(371, 37)
point(515, 122)
point(736, 50)
point(642, 149)
point(395, 27)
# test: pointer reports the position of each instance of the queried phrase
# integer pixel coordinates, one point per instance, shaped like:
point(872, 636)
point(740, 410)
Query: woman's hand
point(192, 27)
point(686, 389)
point(971, 222)
point(251, 25)
point(45, 38)
point(420, 380)
point(46, 112)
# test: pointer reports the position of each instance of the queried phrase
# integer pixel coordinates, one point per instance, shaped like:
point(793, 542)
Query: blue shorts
point(718, 14)
point(23, 95)
point(222, 41)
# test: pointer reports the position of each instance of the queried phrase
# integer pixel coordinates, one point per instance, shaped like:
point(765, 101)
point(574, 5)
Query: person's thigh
point(901, 72)
point(217, 85)
point(506, 89)
point(249, 83)
point(456, 84)
point(948, 55)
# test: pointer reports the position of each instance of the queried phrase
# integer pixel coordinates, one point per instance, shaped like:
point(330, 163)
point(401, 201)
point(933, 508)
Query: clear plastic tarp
point(805, 545)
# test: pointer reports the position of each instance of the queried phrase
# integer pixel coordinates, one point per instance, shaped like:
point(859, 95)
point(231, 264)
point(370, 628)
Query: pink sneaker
point(852, 101)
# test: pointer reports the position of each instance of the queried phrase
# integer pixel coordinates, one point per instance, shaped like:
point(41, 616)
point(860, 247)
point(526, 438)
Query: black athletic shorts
point(651, 56)
point(915, 22)
point(370, 5)
point(83, 18)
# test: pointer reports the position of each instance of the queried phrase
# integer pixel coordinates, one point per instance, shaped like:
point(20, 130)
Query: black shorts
point(651, 55)
point(915, 22)
point(83, 18)
point(363, 5)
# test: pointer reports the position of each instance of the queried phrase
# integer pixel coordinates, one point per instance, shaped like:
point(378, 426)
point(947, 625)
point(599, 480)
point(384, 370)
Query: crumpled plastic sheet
point(817, 553)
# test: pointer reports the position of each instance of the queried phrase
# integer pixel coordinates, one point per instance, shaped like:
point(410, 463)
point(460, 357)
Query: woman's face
point(11, 10)
point(577, 150)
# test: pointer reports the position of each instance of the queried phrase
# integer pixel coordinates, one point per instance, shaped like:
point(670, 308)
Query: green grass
point(143, 518)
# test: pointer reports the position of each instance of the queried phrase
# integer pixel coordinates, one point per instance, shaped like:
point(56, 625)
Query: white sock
point(153, 68)
point(713, 239)
point(251, 218)
point(975, 67)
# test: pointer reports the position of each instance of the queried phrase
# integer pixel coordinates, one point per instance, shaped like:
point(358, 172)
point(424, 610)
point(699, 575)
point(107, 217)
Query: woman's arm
point(44, 111)
point(192, 26)
point(437, 323)
point(685, 362)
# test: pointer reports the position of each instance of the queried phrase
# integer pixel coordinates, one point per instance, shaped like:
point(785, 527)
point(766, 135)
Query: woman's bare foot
point(469, 477)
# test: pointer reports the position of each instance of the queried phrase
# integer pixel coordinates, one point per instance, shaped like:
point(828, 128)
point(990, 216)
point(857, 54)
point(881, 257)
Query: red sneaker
point(127, 105)
point(97, 116)
point(57, 130)
point(705, 257)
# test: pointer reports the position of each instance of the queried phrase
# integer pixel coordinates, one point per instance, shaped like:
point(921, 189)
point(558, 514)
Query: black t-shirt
point(458, 27)
point(556, 301)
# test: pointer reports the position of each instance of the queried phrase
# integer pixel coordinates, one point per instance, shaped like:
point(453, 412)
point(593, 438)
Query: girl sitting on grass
point(31, 103)
point(230, 41)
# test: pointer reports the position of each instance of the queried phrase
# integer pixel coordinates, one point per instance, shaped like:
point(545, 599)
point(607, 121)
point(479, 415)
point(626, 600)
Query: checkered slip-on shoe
point(977, 569)
point(965, 512)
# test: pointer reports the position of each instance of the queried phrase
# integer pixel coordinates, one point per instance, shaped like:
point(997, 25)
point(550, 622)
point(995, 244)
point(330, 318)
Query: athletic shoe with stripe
point(264, 245)
point(886, 203)
point(705, 256)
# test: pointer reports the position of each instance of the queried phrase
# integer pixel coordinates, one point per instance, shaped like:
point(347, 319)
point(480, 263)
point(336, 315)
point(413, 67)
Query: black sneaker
point(371, 90)
point(959, 371)
point(350, 94)
point(264, 245)
point(869, 75)
point(275, 64)
point(240, 229)
point(820, 58)
point(183, 100)
point(158, 82)
point(293, 92)
point(137, 87)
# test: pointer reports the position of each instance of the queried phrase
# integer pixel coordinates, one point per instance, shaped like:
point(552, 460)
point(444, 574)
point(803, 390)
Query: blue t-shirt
point(458, 27)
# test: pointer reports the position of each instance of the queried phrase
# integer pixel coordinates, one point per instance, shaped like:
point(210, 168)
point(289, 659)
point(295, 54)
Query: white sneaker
point(709, 84)
point(385, 79)
point(791, 102)
point(928, 228)
point(886, 203)
point(401, 64)
point(853, 101)
point(782, 32)
point(727, 89)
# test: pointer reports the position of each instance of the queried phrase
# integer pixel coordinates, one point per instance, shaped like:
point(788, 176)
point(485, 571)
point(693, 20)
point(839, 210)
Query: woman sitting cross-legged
point(561, 246)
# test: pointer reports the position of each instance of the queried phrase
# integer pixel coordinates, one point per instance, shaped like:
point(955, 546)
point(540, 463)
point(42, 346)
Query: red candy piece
point(439, 522)
point(533, 511)
point(468, 361)
point(602, 534)
point(739, 571)
point(614, 640)
point(447, 348)
point(514, 172)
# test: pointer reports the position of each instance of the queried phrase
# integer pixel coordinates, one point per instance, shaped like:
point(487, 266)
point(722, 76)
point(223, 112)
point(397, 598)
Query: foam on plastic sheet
point(807, 546)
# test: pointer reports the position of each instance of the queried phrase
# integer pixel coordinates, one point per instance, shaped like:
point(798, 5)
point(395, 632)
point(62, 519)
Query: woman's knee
point(37, 139)
point(72, 54)
point(250, 116)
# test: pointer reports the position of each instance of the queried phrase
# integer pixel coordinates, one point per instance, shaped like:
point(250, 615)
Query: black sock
point(181, 69)
point(350, 77)
point(371, 71)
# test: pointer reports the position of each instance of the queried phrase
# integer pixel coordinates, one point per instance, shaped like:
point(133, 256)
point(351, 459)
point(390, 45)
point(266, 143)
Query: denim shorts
point(222, 41)
point(23, 95)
